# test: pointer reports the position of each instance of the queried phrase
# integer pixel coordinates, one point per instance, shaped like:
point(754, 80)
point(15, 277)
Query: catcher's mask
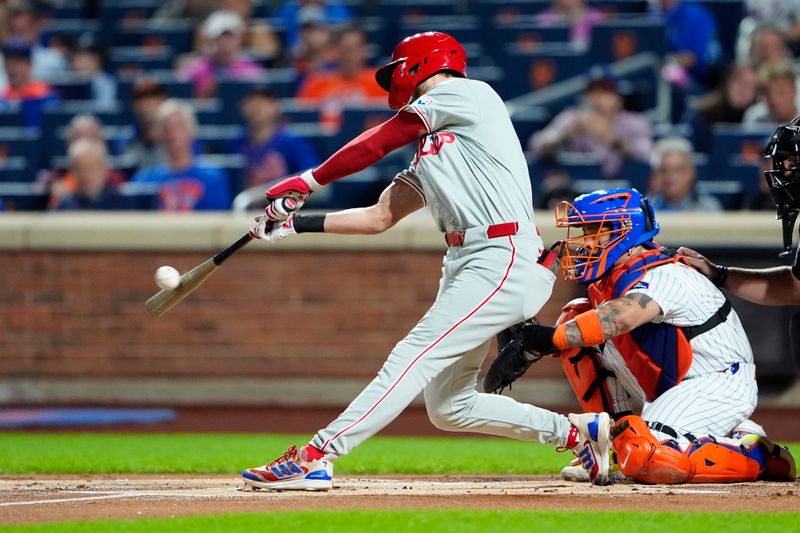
point(783, 179)
point(612, 222)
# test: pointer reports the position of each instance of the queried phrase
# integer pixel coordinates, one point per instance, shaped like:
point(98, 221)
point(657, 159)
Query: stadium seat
point(177, 88)
point(735, 141)
point(356, 120)
point(465, 28)
point(127, 13)
point(232, 165)
point(528, 71)
point(528, 121)
point(15, 169)
point(526, 33)
point(70, 87)
point(143, 196)
point(730, 193)
point(64, 32)
point(23, 197)
point(505, 12)
point(127, 61)
point(217, 139)
point(728, 14)
point(177, 35)
point(405, 11)
point(618, 39)
point(283, 82)
point(620, 7)
point(11, 118)
point(21, 142)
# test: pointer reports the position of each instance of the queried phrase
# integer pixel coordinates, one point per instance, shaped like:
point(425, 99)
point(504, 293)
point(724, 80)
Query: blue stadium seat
point(356, 120)
point(526, 33)
point(620, 7)
point(217, 139)
point(71, 87)
point(11, 118)
point(324, 142)
point(465, 28)
point(283, 82)
point(528, 121)
point(400, 11)
point(177, 88)
point(232, 165)
point(736, 143)
point(65, 32)
point(729, 14)
point(730, 193)
point(619, 39)
point(528, 71)
point(15, 169)
point(23, 197)
point(507, 12)
point(127, 61)
point(127, 13)
point(177, 35)
point(21, 142)
point(143, 196)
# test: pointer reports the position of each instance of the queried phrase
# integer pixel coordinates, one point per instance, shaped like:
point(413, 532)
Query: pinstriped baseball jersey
point(470, 165)
point(719, 390)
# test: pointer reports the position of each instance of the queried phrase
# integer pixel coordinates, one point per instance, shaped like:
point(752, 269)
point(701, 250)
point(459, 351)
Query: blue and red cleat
point(294, 470)
point(594, 444)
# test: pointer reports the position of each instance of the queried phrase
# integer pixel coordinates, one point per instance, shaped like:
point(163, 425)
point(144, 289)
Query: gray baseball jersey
point(471, 170)
point(470, 165)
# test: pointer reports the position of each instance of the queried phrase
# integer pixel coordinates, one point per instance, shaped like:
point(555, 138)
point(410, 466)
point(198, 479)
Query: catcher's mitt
point(512, 360)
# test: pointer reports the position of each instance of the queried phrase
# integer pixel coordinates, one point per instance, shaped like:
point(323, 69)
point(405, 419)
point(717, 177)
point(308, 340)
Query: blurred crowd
point(181, 105)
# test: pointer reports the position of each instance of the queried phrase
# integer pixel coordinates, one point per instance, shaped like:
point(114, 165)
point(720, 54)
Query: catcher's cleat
point(594, 444)
point(294, 470)
point(778, 462)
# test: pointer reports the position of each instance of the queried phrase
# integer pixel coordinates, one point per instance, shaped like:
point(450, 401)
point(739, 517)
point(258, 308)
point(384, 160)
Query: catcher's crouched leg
point(642, 457)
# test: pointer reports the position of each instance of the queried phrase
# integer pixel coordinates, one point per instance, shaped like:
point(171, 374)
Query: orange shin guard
point(720, 463)
point(642, 457)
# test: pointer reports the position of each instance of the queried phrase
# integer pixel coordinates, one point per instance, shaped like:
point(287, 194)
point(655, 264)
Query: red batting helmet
point(416, 59)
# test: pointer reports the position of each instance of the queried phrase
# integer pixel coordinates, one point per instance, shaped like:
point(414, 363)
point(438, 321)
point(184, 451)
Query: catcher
point(655, 329)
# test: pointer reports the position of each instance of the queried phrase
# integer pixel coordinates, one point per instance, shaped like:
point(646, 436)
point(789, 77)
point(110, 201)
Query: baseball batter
point(670, 339)
point(469, 167)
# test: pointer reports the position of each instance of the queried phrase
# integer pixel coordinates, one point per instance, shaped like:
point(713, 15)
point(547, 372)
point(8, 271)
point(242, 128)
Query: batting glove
point(270, 231)
point(289, 195)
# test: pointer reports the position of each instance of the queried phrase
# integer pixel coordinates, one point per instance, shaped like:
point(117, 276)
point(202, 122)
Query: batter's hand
point(286, 197)
point(271, 231)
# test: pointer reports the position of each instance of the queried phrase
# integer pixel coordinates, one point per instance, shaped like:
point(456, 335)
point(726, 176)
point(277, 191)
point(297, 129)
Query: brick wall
point(293, 314)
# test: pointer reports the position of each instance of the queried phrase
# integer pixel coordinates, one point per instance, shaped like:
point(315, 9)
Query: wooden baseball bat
point(165, 299)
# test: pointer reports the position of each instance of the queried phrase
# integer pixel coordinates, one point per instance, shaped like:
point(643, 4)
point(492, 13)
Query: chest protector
point(658, 355)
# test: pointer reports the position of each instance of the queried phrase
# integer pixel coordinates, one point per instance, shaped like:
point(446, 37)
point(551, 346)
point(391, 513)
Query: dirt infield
point(46, 499)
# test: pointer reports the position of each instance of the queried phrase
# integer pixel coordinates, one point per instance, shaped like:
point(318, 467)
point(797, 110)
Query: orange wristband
point(591, 329)
point(560, 337)
point(588, 324)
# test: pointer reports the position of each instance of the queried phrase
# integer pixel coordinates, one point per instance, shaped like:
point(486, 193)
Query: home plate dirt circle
point(43, 498)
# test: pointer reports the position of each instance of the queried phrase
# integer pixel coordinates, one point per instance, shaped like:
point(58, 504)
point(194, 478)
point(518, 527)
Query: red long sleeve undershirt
point(370, 147)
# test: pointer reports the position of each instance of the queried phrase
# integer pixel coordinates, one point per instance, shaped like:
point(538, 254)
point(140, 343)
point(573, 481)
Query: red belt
point(456, 237)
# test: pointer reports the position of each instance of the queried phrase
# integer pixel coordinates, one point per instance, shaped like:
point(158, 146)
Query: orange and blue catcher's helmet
point(612, 222)
point(417, 58)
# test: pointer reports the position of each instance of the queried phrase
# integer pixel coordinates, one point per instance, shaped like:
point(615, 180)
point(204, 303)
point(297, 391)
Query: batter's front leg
point(454, 404)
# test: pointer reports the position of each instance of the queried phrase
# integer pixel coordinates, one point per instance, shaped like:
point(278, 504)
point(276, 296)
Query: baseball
point(167, 278)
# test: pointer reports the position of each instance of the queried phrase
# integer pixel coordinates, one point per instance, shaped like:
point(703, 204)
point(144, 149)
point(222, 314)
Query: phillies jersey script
point(470, 165)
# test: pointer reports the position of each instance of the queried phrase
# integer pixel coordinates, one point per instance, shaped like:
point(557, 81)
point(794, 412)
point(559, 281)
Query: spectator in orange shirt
point(31, 95)
point(352, 83)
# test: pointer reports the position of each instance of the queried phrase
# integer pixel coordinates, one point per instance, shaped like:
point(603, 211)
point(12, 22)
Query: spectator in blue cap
point(31, 95)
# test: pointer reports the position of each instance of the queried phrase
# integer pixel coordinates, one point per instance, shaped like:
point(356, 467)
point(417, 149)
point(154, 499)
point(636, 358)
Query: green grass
point(99, 453)
point(462, 521)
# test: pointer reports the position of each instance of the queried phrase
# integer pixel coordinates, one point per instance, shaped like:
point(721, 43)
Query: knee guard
point(777, 462)
point(642, 457)
point(583, 366)
point(714, 462)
